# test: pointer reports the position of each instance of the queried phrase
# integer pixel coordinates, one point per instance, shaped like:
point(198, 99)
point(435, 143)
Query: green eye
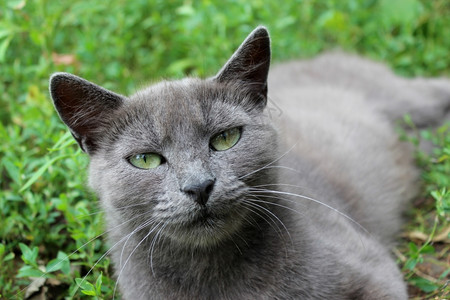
point(226, 139)
point(146, 160)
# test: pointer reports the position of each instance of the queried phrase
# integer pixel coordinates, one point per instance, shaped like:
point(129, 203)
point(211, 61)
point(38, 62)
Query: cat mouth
point(204, 217)
point(202, 227)
point(205, 226)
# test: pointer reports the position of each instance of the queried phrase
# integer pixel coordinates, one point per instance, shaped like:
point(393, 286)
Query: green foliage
point(49, 221)
point(95, 290)
point(432, 220)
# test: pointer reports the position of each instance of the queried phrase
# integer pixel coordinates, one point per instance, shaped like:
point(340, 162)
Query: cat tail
point(425, 100)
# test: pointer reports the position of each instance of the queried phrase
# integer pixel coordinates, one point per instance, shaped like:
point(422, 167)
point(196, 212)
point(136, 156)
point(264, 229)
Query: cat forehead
point(172, 99)
point(190, 106)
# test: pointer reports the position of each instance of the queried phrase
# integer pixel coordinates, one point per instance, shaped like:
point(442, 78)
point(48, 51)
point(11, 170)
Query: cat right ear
point(82, 106)
point(250, 63)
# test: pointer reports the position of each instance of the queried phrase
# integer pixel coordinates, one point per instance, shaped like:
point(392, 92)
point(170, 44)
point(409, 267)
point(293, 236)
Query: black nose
point(200, 191)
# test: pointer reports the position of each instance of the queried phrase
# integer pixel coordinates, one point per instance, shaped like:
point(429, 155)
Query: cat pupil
point(225, 136)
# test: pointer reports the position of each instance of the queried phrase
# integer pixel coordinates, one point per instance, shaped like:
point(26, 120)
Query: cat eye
point(146, 160)
point(226, 139)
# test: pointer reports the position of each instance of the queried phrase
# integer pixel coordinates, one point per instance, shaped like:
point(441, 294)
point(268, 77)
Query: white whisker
point(275, 216)
point(264, 167)
point(252, 206)
point(274, 203)
point(272, 224)
point(153, 244)
point(148, 222)
point(312, 200)
point(131, 254)
point(102, 210)
point(278, 184)
point(106, 253)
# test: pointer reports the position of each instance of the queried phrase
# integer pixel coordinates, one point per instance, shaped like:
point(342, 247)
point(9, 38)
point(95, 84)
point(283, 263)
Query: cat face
point(185, 127)
point(177, 158)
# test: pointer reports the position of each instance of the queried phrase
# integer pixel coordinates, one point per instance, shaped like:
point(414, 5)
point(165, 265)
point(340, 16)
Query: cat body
point(214, 189)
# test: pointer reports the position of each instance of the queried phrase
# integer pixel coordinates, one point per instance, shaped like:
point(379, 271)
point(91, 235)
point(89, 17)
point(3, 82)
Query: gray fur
point(262, 234)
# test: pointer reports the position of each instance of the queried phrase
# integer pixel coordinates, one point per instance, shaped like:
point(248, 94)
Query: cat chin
point(207, 233)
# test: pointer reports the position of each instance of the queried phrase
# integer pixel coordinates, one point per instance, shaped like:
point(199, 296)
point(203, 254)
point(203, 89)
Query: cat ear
point(82, 106)
point(250, 63)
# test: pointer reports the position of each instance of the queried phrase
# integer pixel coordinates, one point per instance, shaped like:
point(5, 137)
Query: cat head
point(178, 156)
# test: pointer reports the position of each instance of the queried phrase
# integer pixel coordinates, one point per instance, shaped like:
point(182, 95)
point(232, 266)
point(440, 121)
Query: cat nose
point(200, 191)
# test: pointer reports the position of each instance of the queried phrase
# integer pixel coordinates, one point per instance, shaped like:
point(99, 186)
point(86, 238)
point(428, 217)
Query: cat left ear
point(83, 107)
point(250, 63)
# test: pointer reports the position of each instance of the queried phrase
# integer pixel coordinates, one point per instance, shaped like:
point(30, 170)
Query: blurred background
point(46, 212)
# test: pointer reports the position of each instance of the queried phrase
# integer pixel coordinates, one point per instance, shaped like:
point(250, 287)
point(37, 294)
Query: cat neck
point(254, 254)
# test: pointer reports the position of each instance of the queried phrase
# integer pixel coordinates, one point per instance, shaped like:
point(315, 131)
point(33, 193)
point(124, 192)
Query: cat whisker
point(252, 220)
point(134, 250)
point(107, 252)
point(256, 198)
point(273, 224)
point(240, 236)
point(255, 209)
point(231, 239)
point(148, 222)
point(291, 209)
point(257, 190)
point(118, 208)
point(79, 217)
point(267, 165)
point(153, 244)
point(273, 215)
point(340, 213)
point(280, 167)
point(279, 184)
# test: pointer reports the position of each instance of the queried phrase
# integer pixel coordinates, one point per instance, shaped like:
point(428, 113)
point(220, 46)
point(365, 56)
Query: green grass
point(46, 213)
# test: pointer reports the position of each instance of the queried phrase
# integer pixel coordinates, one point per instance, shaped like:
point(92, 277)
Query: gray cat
point(213, 192)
